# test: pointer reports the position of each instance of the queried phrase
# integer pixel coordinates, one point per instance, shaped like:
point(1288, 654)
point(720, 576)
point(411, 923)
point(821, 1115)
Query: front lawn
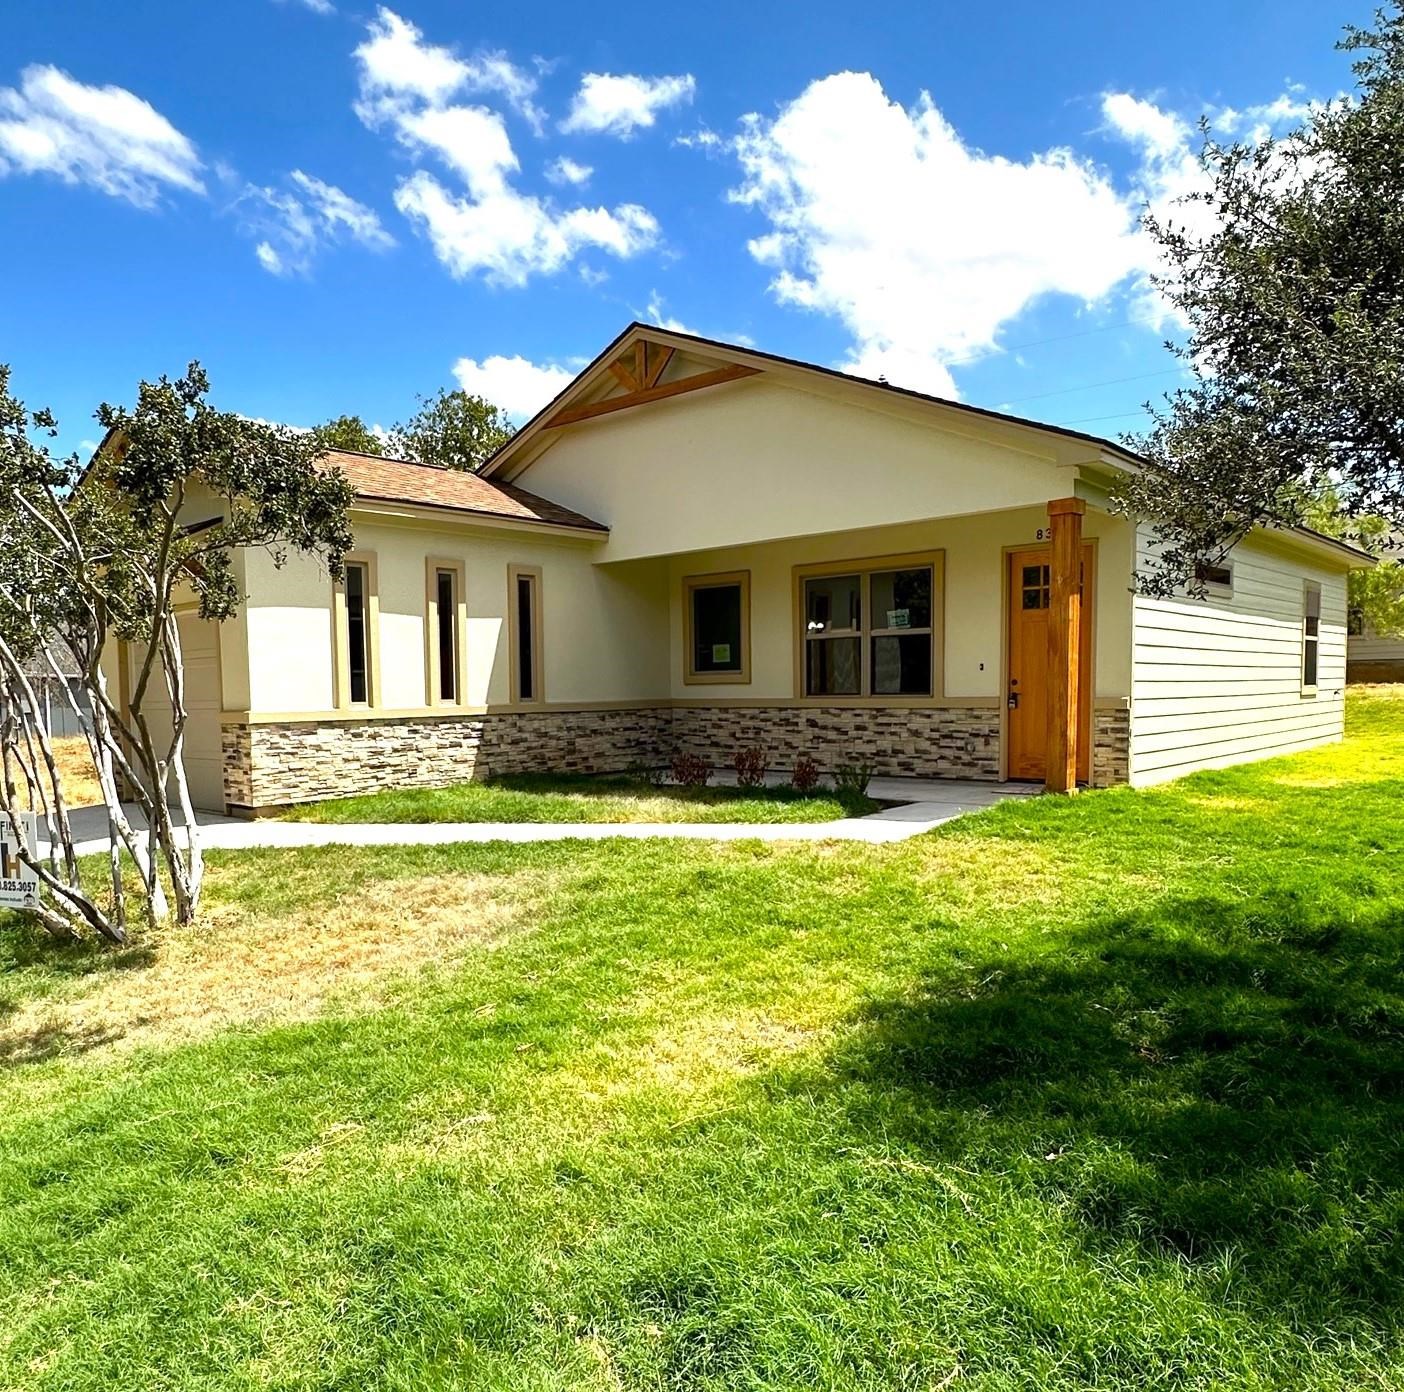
point(1103, 1092)
point(582, 798)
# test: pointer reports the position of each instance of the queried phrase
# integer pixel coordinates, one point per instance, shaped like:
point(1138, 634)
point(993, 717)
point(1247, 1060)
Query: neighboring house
point(1370, 658)
point(743, 550)
point(53, 689)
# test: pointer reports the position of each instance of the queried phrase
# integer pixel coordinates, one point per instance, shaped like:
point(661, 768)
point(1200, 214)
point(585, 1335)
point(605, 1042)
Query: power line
point(1087, 420)
point(1089, 386)
point(1034, 343)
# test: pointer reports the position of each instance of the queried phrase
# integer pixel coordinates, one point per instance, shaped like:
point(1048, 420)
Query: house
point(58, 688)
point(699, 547)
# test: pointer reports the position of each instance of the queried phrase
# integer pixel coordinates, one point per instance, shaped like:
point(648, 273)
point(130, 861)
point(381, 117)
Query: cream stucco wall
point(604, 631)
point(758, 460)
point(974, 549)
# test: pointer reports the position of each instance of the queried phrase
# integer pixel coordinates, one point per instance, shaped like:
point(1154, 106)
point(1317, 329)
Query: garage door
point(204, 757)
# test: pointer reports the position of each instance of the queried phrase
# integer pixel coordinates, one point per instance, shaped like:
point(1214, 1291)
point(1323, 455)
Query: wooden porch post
point(1064, 642)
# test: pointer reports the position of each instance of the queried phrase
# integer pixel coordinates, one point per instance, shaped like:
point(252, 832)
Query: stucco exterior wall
point(1218, 681)
point(974, 549)
point(605, 631)
point(759, 461)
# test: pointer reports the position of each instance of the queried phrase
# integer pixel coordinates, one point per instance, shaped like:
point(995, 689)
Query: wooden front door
point(1027, 681)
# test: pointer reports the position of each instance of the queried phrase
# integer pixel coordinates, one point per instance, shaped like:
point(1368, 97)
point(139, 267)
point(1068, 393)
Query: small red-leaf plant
point(690, 770)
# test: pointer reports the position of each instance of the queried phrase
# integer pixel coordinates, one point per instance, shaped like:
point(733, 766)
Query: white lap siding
point(1218, 681)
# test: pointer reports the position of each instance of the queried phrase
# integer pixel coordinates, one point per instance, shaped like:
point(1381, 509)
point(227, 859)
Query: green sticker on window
point(721, 652)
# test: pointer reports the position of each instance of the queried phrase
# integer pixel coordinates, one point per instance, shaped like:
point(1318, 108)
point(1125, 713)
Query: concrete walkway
point(922, 805)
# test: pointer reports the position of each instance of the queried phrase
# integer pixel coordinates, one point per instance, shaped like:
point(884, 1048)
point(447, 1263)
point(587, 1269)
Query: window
point(357, 586)
point(1216, 579)
point(869, 631)
point(524, 587)
point(1311, 634)
point(444, 667)
point(717, 627)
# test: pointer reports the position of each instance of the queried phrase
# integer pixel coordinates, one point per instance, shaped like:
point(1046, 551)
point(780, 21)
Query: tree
point(1294, 301)
point(1376, 595)
point(452, 429)
point(349, 433)
point(99, 555)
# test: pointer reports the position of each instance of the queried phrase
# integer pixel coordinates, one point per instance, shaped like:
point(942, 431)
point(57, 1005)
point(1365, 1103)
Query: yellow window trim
point(341, 651)
point(432, 566)
point(719, 580)
point(864, 567)
point(538, 666)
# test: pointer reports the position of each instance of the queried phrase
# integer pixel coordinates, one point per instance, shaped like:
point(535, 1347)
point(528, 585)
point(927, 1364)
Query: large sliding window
point(869, 630)
point(524, 601)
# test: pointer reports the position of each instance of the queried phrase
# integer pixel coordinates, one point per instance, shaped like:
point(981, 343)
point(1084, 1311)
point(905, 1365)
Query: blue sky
point(335, 206)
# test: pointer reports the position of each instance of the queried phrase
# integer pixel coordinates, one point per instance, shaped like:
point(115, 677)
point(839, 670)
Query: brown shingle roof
point(428, 485)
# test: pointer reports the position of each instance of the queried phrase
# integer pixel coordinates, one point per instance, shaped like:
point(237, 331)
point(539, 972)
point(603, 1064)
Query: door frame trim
point(1089, 624)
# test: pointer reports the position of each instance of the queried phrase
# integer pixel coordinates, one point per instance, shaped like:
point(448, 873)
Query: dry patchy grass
point(76, 773)
point(239, 969)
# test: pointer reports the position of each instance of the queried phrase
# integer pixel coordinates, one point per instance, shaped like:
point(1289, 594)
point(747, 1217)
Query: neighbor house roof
point(377, 479)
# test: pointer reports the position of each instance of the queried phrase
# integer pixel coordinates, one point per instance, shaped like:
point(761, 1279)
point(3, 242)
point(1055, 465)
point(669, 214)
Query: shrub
point(652, 774)
point(853, 779)
point(690, 770)
point(750, 767)
point(805, 778)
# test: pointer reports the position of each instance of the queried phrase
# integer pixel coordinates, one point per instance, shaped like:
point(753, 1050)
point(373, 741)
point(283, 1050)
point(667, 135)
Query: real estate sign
point(19, 884)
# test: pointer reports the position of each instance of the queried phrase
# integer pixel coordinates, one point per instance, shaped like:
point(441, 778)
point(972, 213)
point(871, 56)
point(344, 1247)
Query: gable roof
point(378, 479)
point(581, 387)
point(578, 401)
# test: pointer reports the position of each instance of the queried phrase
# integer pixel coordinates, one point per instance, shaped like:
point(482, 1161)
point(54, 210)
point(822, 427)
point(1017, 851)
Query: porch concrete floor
point(920, 805)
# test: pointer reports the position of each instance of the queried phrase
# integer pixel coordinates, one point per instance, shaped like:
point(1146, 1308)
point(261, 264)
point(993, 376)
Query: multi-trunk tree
point(102, 558)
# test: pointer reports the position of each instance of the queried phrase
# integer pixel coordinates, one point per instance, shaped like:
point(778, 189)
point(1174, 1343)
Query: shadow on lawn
point(1211, 1080)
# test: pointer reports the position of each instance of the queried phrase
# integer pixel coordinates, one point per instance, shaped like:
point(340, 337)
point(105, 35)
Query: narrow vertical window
point(1311, 634)
point(716, 623)
point(446, 608)
point(357, 633)
point(525, 590)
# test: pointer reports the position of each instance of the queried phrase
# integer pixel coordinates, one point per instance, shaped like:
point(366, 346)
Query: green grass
point(582, 798)
point(1104, 1093)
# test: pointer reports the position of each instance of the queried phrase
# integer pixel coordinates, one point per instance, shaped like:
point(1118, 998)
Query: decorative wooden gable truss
point(638, 372)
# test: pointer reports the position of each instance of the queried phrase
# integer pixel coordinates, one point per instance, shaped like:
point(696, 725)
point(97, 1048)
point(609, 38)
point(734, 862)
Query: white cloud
point(520, 387)
point(566, 171)
point(920, 245)
point(510, 237)
point(656, 314)
point(399, 69)
point(619, 104)
point(321, 7)
point(471, 140)
point(293, 227)
point(1169, 177)
point(408, 87)
point(104, 137)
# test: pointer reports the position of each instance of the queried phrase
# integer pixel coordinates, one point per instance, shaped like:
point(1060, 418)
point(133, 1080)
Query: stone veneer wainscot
point(273, 765)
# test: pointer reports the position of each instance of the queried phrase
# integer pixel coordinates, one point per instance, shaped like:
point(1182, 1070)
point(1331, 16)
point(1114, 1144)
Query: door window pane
point(1035, 586)
point(833, 667)
point(833, 602)
point(447, 607)
point(716, 628)
point(902, 665)
point(356, 635)
point(902, 598)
